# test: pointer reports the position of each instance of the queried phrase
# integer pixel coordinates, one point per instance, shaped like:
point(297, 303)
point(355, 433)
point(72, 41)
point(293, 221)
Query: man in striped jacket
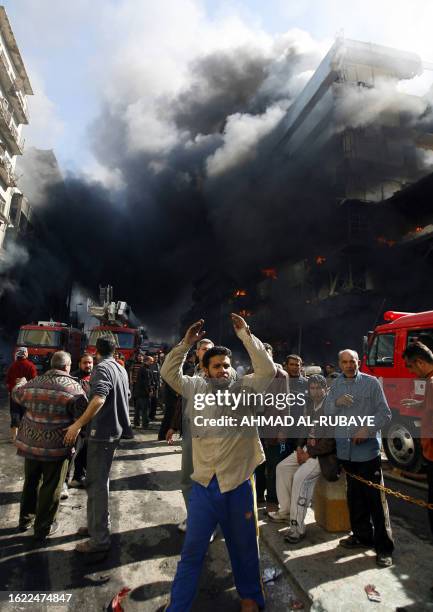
point(52, 401)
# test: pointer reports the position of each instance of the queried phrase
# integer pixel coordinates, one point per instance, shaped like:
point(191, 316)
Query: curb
point(294, 583)
point(407, 481)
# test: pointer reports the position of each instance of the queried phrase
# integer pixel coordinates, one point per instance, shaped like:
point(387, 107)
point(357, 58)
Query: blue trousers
point(236, 513)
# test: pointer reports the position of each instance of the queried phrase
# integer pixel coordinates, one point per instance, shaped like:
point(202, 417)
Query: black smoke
point(172, 223)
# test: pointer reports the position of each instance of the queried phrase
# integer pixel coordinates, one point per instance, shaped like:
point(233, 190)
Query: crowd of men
point(67, 427)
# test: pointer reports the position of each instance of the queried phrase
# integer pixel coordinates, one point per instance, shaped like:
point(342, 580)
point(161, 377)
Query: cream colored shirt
point(232, 458)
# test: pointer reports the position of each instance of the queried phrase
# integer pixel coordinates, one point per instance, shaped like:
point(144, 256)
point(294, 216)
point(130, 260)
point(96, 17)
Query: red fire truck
point(44, 338)
point(127, 339)
point(115, 322)
point(382, 358)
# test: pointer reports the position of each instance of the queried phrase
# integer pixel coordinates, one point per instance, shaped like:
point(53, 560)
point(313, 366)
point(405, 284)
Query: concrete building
point(353, 119)
point(37, 170)
point(355, 156)
point(14, 88)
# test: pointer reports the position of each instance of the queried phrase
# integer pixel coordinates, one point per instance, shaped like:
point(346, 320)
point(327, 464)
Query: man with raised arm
point(223, 481)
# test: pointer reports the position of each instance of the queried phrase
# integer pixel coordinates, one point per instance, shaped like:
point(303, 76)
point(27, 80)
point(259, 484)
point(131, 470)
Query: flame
point(416, 230)
point(240, 293)
point(320, 260)
point(270, 273)
point(385, 241)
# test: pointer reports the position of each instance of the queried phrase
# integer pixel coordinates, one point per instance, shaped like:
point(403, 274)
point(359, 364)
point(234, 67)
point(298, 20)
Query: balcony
point(8, 131)
point(6, 172)
point(18, 103)
point(4, 219)
point(7, 77)
point(11, 86)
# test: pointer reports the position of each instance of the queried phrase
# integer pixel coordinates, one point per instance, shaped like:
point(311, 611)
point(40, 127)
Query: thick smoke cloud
point(204, 191)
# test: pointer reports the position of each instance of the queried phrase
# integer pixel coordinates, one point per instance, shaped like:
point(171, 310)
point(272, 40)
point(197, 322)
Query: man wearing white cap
point(22, 367)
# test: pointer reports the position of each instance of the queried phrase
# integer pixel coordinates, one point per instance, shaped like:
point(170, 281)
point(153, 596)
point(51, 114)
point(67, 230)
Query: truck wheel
point(402, 446)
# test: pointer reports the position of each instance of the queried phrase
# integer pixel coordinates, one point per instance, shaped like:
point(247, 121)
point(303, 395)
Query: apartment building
point(14, 88)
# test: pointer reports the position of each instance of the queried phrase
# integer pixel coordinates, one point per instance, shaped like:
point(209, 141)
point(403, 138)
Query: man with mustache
point(223, 482)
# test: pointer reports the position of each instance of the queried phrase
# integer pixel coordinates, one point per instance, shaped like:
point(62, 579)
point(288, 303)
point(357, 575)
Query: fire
point(245, 313)
point(240, 293)
point(385, 241)
point(270, 273)
point(320, 260)
point(417, 230)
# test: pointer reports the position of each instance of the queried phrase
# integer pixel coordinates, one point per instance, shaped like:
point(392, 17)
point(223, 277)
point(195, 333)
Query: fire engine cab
point(114, 320)
point(383, 349)
point(44, 338)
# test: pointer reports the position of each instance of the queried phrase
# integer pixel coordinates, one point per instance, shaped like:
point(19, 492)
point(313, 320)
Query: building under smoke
point(292, 206)
point(353, 121)
point(358, 142)
point(14, 88)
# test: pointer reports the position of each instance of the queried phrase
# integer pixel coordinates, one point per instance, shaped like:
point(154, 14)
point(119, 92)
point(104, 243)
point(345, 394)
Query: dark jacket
point(84, 379)
point(320, 443)
point(145, 382)
point(272, 435)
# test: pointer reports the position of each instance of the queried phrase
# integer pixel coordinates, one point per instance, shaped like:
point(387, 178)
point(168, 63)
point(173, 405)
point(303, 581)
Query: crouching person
point(50, 401)
point(298, 473)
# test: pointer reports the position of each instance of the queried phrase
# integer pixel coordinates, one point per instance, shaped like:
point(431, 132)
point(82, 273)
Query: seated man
point(298, 473)
point(223, 482)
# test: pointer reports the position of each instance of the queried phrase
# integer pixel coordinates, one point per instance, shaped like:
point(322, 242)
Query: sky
point(89, 55)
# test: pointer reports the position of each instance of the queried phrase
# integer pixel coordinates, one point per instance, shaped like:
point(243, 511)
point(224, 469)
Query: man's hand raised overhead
point(238, 323)
point(194, 333)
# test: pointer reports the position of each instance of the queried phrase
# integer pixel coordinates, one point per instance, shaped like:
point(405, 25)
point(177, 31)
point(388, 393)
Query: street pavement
point(411, 516)
point(145, 505)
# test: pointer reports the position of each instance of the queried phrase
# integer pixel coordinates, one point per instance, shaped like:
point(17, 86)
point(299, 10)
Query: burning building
point(352, 143)
point(292, 205)
point(14, 88)
point(352, 119)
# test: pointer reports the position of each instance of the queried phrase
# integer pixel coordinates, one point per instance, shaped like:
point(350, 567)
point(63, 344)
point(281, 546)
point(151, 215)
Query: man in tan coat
point(224, 463)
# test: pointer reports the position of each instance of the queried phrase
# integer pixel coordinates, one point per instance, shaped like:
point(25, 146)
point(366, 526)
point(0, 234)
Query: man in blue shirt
point(355, 394)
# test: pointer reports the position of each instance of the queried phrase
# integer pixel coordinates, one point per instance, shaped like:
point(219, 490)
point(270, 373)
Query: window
point(40, 337)
point(421, 335)
point(123, 340)
point(126, 340)
point(381, 352)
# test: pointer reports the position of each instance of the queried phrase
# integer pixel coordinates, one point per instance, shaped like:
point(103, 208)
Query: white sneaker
point(65, 493)
point(279, 517)
point(182, 526)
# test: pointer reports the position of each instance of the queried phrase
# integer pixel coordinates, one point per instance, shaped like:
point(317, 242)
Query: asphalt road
point(409, 515)
point(146, 506)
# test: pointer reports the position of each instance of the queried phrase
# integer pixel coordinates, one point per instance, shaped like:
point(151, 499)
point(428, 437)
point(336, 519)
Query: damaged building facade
point(15, 212)
point(362, 261)
point(366, 162)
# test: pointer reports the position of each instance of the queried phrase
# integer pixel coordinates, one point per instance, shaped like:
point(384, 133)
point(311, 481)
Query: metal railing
point(3, 209)
point(6, 68)
point(18, 96)
point(11, 179)
point(13, 88)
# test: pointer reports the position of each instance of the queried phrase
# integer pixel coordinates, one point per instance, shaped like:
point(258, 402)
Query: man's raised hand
point(195, 333)
point(238, 322)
